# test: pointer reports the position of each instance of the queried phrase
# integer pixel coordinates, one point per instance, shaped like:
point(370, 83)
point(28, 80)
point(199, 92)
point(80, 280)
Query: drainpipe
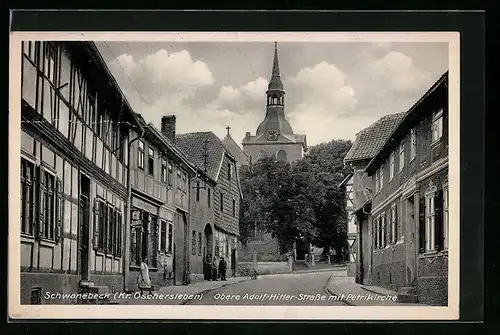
point(128, 206)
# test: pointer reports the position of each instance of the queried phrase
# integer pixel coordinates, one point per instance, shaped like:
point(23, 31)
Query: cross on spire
point(228, 128)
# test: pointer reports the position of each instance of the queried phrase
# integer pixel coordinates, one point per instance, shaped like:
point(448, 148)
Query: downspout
point(128, 206)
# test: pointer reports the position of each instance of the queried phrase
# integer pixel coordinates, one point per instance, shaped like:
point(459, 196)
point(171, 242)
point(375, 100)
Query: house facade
point(160, 183)
point(347, 184)
point(218, 216)
point(75, 128)
point(409, 210)
point(368, 142)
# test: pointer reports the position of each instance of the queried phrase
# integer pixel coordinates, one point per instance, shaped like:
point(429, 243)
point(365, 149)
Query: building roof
point(235, 150)
point(369, 141)
point(193, 145)
point(423, 107)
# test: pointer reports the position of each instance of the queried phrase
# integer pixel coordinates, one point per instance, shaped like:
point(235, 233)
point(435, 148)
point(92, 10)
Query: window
point(179, 179)
point(193, 243)
point(429, 223)
point(413, 144)
point(27, 199)
point(141, 155)
point(209, 197)
point(437, 125)
point(50, 65)
point(163, 236)
point(229, 171)
point(184, 182)
point(164, 172)
point(446, 217)
point(151, 161)
point(234, 207)
point(108, 228)
point(199, 244)
point(401, 156)
point(391, 166)
point(383, 243)
point(170, 237)
point(197, 191)
point(170, 174)
point(221, 202)
point(48, 200)
point(30, 50)
point(394, 226)
point(381, 177)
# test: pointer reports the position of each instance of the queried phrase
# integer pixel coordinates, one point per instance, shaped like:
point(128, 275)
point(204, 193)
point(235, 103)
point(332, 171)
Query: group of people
point(214, 271)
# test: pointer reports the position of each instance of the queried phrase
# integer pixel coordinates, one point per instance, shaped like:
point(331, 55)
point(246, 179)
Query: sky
point(333, 89)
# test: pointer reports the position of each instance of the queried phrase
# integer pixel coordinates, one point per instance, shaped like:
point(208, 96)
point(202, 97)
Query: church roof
point(275, 82)
point(274, 120)
point(235, 150)
point(371, 139)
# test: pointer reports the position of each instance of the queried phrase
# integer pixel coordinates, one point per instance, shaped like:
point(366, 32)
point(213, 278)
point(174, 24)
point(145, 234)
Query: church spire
point(275, 83)
point(276, 65)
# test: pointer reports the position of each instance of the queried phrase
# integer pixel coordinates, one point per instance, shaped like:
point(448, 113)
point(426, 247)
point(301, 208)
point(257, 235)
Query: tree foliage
point(302, 199)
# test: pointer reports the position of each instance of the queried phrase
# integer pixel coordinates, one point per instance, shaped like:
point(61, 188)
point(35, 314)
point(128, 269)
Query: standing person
point(207, 268)
point(144, 280)
point(214, 269)
point(222, 268)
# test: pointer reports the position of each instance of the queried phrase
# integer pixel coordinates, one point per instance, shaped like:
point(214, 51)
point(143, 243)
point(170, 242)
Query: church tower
point(274, 136)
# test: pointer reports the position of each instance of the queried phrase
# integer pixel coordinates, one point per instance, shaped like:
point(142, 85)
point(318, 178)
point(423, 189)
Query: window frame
point(140, 156)
point(170, 236)
point(170, 173)
point(401, 156)
point(28, 208)
point(50, 223)
point(437, 126)
point(151, 161)
point(446, 217)
point(394, 227)
point(413, 144)
point(164, 172)
point(430, 220)
point(392, 160)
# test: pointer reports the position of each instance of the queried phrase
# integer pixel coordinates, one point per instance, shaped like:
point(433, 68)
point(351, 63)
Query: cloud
point(243, 99)
point(166, 81)
point(398, 73)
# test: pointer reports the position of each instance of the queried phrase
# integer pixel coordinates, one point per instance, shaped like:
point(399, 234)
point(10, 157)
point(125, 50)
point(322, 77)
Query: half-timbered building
point(160, 183)
point(75, 129)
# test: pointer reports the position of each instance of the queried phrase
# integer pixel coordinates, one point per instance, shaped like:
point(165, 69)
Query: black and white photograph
point(316, 174)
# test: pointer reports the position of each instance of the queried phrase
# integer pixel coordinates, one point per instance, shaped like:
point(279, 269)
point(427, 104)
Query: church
point(274, 136)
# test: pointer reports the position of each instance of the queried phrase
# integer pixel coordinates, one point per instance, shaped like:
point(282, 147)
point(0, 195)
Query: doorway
point(84, 231)
point(208, 240)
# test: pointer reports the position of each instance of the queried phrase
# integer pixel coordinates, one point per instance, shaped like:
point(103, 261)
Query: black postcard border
point(470, 25)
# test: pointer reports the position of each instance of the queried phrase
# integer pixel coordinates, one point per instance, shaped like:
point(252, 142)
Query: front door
point(83, 250)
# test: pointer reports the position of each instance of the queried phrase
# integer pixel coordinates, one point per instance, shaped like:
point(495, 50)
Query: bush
point(246, 270)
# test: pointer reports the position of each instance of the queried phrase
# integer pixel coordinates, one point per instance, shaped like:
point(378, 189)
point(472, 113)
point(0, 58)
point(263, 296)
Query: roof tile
point(371, 139)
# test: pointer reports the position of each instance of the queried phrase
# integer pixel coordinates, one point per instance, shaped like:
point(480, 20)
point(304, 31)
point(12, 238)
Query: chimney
point(168, 127)
point(247, 135)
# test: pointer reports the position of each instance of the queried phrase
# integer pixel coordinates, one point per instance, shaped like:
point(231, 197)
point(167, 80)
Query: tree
point(325, 163)
point(302, 199)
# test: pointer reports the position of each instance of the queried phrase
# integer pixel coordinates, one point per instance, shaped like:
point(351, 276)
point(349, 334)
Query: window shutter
point(96, 224)
point(438, 220)
point(395, 232)
point(59, 209)
point(42, 188)
point(421, 224)
point(119, 234)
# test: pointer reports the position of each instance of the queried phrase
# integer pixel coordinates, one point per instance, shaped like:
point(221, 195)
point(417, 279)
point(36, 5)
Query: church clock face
point(272, 135)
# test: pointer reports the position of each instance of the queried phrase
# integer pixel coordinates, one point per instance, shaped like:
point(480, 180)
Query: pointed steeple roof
point(275, 82)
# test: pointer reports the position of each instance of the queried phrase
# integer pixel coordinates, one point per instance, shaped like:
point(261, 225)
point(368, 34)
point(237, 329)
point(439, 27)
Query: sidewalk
point(178, 294)
point(354, 294)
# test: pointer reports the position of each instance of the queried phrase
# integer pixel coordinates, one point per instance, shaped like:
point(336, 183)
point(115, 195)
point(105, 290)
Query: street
point(304, 289)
